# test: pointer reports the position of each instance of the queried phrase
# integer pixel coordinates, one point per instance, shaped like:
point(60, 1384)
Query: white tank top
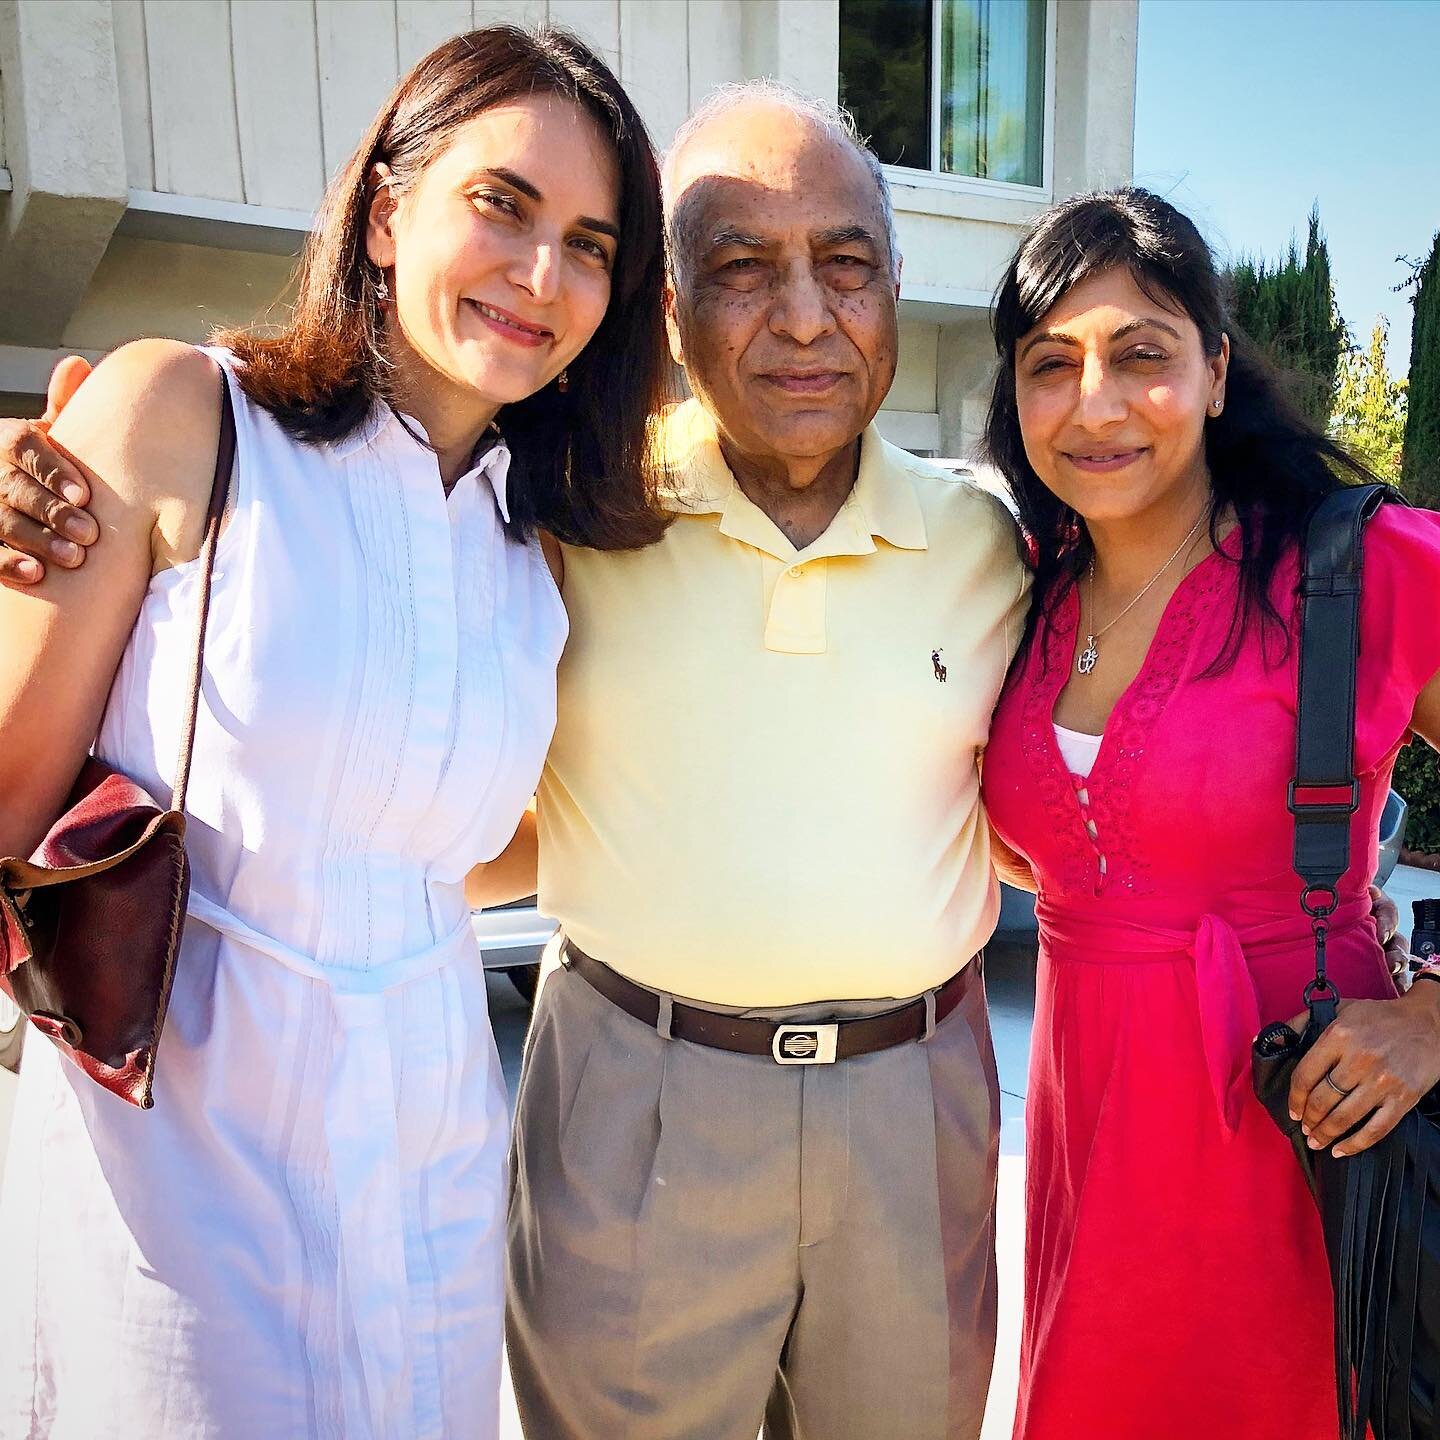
point(1078, 750)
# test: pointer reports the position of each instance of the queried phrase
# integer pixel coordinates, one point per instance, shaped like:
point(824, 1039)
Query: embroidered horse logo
point(940, 671)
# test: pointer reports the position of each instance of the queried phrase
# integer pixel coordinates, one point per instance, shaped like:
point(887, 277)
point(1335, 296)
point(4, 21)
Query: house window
point(956, 86)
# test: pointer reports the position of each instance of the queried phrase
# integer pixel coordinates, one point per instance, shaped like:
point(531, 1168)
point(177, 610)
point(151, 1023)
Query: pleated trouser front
point(702, 1241)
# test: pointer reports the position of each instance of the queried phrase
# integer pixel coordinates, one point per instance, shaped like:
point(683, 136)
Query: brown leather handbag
point(90, 925)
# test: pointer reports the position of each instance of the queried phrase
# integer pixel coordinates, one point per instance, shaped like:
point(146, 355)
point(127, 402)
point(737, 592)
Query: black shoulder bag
point(1380, 1208)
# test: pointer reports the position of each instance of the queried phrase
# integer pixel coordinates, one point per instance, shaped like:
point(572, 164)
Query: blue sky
point(1247, 111)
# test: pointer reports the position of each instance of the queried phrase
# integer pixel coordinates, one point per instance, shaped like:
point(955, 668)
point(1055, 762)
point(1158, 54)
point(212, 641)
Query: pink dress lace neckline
point(1125, 735)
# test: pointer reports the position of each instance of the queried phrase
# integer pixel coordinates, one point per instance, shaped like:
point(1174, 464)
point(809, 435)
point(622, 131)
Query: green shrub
point(1417, 778)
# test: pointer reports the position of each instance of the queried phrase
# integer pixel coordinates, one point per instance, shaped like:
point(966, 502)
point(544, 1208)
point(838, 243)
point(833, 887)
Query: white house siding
point(256, 101)
point(231, 114)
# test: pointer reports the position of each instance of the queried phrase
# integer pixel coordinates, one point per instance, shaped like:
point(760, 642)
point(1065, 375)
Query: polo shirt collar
point(885, 494)
point(882, 504)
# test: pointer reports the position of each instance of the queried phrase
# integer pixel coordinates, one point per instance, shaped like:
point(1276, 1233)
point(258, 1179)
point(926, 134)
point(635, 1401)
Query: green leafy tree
point(1421, 474)
point(1288, 309)
point(1369, 414)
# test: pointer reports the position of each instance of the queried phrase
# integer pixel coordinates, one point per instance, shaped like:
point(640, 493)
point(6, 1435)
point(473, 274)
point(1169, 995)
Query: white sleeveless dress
point(305, 1236)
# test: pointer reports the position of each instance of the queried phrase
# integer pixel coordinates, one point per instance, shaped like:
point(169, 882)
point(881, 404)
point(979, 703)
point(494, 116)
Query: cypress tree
point(1289, 310)
point(1420, 474)
point(1417, 768)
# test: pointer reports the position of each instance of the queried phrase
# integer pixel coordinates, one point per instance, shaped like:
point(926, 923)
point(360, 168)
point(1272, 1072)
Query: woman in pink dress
point(1176, 1282)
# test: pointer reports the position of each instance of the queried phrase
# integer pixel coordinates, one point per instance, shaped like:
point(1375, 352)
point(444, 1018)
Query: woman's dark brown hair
point(581, 463)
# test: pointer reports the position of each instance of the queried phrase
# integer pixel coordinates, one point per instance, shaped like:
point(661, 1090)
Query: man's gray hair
point(833, 120)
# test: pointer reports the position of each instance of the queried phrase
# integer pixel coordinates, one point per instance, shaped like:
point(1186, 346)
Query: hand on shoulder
point(143, 429)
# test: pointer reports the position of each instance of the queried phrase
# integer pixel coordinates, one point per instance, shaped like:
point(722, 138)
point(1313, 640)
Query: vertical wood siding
point(134, 69)
point(654, 47)
point(277, 103)
point(359, 62)
point(193, 121)
point(260, 101)
point(421, 25)
point(716, 50)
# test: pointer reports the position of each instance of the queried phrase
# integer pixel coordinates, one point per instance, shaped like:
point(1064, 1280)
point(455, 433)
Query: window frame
point(934, 177)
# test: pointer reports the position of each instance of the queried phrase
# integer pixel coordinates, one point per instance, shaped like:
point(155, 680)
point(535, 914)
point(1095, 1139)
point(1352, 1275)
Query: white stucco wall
point(914, 387)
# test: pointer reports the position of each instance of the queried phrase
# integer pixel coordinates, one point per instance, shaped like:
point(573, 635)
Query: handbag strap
point(1325, 792)
point(219, 496)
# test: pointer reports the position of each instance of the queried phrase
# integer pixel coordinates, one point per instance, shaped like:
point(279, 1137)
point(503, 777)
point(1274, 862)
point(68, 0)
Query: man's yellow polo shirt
point(764, 787)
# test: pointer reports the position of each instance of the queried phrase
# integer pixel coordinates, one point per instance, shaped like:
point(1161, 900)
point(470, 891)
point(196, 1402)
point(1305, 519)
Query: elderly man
point(756, 1134)
point(756, 1138)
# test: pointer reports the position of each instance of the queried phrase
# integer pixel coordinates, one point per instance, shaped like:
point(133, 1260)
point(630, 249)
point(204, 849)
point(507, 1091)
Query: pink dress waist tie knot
point(1232, 957)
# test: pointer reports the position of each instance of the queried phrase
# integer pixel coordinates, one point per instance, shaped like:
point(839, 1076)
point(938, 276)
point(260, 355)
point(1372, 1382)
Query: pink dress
point(1175, 1277)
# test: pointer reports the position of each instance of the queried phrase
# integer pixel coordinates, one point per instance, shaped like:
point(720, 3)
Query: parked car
point(1392, 835)
point(511, 939)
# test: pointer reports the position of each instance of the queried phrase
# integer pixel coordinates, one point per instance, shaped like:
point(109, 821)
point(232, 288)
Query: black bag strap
point(219, 496)
point(1325, 793)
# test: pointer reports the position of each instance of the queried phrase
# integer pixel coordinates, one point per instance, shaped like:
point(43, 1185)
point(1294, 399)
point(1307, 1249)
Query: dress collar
point(386, 427)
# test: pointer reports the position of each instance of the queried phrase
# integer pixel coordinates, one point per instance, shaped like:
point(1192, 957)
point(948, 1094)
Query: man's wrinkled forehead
point(765, 171)
point(757, 141)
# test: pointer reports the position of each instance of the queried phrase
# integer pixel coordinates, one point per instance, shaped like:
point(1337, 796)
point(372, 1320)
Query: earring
point(1216, 404)
point(562, 382)
point(382, 290)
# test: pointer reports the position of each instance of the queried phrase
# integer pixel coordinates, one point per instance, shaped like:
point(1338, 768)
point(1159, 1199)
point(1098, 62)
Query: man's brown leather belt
point(792, 1043)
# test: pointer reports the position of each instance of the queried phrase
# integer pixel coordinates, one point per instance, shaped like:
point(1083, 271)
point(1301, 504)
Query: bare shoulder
point(144, 428)
point(554, 557)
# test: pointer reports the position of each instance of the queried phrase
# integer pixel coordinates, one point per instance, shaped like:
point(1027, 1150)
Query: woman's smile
point(1103, 462)
point(510, 327)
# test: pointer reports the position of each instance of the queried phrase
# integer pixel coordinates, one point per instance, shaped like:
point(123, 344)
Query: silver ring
point(1343, 1093)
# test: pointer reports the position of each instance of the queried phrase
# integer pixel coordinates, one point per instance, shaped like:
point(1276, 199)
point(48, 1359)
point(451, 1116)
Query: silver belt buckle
point(804, 1044)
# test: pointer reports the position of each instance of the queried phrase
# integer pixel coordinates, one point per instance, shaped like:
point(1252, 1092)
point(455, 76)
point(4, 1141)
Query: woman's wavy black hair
point(1267, 462)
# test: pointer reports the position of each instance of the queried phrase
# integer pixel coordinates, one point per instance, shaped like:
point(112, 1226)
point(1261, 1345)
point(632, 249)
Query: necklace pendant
point(1088, 656)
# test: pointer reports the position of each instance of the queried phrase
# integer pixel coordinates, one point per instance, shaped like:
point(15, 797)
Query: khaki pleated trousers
point(702, 1241)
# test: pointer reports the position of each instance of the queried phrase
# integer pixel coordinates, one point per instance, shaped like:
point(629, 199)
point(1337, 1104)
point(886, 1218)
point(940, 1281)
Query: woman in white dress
point(304, 1236)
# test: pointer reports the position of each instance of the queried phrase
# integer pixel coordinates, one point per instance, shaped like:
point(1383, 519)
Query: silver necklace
point(1090, 656)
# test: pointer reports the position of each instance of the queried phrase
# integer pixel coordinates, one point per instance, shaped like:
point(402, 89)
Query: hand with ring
point(1367, 1069)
